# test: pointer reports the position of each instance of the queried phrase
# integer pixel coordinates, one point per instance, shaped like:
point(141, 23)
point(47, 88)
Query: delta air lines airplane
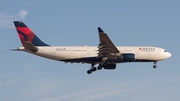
point(106, 55)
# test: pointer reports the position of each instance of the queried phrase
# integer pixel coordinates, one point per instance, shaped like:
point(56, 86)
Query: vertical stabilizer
point(25, 34)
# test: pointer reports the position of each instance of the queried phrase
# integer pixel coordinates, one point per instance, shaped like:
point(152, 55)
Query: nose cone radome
point(168, 55)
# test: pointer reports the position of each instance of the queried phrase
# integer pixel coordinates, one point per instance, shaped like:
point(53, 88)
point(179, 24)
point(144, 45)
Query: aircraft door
point(137, 50)
point(87, 49)
point(157, 52)
point(53, 51)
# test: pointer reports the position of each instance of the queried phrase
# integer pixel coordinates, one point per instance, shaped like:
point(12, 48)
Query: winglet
point(100, 30)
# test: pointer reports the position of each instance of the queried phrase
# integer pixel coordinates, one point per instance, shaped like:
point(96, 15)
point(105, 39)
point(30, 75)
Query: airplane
point(106, 55)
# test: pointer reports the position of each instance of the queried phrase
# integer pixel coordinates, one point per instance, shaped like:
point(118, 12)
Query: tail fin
point(25, 34)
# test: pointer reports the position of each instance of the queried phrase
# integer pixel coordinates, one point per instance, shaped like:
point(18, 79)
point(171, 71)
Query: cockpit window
point(165, 50)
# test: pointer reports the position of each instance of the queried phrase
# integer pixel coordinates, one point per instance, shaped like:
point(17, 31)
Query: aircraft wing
point(106, 47)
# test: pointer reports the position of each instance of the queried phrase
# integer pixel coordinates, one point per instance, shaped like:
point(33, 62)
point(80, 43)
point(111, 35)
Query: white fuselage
point(143, 53)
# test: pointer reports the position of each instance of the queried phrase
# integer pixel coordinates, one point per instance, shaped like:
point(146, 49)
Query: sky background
point(26, 77)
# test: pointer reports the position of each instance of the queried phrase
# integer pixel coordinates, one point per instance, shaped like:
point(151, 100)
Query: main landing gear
point(155, 66)
point(93, 68)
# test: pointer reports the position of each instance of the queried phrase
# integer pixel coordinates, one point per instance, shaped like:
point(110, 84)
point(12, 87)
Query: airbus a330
point(106, 55)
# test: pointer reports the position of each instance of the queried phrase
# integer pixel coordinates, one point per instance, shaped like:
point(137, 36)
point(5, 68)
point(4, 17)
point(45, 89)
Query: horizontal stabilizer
point(29, 46)
point(14, 49)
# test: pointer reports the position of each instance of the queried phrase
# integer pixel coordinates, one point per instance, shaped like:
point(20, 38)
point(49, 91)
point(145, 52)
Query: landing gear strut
point(155, 66)
point(93, 68)
point(100, 67)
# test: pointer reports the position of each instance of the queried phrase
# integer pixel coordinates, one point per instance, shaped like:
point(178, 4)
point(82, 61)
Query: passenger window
point(165, 50)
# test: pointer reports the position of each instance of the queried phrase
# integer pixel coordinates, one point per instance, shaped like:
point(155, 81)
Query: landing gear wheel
point(155, 66)
point(92, 69)
point(89, 71)
point(99, 67)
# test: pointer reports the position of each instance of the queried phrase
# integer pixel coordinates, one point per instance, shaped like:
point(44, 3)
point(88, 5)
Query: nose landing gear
point(155, 66)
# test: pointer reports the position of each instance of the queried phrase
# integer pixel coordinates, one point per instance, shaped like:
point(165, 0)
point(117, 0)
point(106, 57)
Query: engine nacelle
point(128, 57)
point(110, 66)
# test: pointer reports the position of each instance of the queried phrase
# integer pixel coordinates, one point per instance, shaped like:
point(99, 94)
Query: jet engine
point(110, 66)
point(128, 57)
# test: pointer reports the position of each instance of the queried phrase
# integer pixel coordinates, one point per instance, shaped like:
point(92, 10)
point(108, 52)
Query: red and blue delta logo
point(147, 49)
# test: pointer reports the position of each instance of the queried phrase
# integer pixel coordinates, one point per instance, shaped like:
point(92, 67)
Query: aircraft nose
point(168, 55)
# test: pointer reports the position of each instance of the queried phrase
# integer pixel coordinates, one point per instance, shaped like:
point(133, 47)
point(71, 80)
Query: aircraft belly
point(46, 54)
point(72, 55)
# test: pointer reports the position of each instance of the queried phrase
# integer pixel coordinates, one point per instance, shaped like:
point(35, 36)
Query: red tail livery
point(25, 34)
